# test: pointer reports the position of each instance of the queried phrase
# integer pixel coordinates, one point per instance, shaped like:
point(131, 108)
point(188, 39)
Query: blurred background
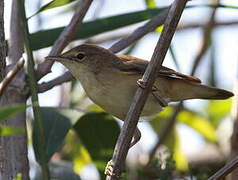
point(197, 141)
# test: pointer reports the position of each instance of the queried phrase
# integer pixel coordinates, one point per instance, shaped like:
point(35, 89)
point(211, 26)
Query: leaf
point(56, 124)
point(217, 110)
point(51, 5)
point(82, 159)
point(150, 3)
point(45, 38)
point(12, 110)
point(61, 170)
point(180, 159)
point(98, 133)
point(8, 131)
point(199, 124)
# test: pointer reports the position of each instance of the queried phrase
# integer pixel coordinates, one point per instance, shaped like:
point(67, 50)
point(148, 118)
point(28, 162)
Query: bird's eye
point(80, 56)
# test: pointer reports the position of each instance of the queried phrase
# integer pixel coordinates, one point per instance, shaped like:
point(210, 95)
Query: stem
point(141, 94)
point(34, 96)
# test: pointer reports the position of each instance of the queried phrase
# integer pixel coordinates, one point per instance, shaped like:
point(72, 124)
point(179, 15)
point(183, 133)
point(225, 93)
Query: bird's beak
point(55, 58)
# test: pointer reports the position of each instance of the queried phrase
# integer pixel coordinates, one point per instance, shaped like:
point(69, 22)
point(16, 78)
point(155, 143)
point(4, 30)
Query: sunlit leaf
point(150, 3)
point(179, 157)
point(217, 110)
point(199, 124)
point(56, 123)
point(82, 159)
point(8, 131)
point(51, 5)
point(95, 108)
point(92, 28)
point(98, 132)
point(12, 110)
point(18, 177)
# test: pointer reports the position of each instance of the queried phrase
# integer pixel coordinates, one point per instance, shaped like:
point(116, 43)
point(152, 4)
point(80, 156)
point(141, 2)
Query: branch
point(64, 37)
point(45, 86)
point(141, 94)
point(202, 25)
point(140, 32)
point(206, 40)
point(10, 75)
point(228, 168)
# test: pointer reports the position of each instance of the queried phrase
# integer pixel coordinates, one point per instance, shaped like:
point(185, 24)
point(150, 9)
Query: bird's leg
point(110, 165)
point(157, 96)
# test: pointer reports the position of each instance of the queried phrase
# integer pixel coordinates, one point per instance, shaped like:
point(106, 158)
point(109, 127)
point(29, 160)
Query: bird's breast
point(115, 92)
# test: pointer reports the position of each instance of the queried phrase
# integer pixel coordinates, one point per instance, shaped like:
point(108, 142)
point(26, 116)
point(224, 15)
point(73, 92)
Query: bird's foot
point(109, 169)
point(141, 83)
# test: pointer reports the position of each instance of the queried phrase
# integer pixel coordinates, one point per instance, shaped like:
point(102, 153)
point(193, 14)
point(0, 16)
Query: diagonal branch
point(228, 168)
point(206, 40)
point(10, 75)
point(45, 86)
point(140, 32)
point(65, 37)
point(141, 94)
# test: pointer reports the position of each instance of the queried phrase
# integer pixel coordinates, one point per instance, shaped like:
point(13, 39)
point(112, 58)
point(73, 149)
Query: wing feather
point(132, 65)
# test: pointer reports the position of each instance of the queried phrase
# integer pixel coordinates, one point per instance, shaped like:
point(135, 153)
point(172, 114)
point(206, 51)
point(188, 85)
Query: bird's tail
point(182, 90)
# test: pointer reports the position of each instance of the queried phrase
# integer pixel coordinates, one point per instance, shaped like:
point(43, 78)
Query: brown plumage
point(110, 81)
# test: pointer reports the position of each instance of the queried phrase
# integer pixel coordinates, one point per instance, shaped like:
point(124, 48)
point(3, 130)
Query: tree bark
point(3, 49)
point(13, 149)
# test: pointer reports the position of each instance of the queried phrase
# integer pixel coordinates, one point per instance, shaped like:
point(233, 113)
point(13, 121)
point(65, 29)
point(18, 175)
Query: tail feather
point(179, 89)
point(207, 92)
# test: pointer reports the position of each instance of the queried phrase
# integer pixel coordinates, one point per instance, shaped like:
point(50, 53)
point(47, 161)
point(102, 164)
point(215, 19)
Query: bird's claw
point(109, 169)
point(141, 83)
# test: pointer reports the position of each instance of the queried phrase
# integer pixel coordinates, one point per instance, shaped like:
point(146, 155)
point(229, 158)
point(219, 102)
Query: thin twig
point(141, 94)
point(64, 37)
point(140, 32)
point(206, 40)
point(34, 94)
point(10, 75)
point(228, 168)
point(202, 25)
point(45, 86)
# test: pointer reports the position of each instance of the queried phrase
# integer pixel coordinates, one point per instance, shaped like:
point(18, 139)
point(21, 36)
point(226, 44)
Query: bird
point(110, 81)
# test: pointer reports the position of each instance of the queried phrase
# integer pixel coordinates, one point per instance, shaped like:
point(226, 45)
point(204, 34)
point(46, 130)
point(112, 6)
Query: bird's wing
point(132, 65)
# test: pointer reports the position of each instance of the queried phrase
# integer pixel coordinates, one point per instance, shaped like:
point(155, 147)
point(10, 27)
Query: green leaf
point(51, 5)
point(61, 170)
point(150, 3)
point(8, 131)
point(192, 119)
point(180, 159)
point(45, 38)
point(56, 123)
point(10, 111)
point(199, 124)
point(217, 110)
point(98, 133)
